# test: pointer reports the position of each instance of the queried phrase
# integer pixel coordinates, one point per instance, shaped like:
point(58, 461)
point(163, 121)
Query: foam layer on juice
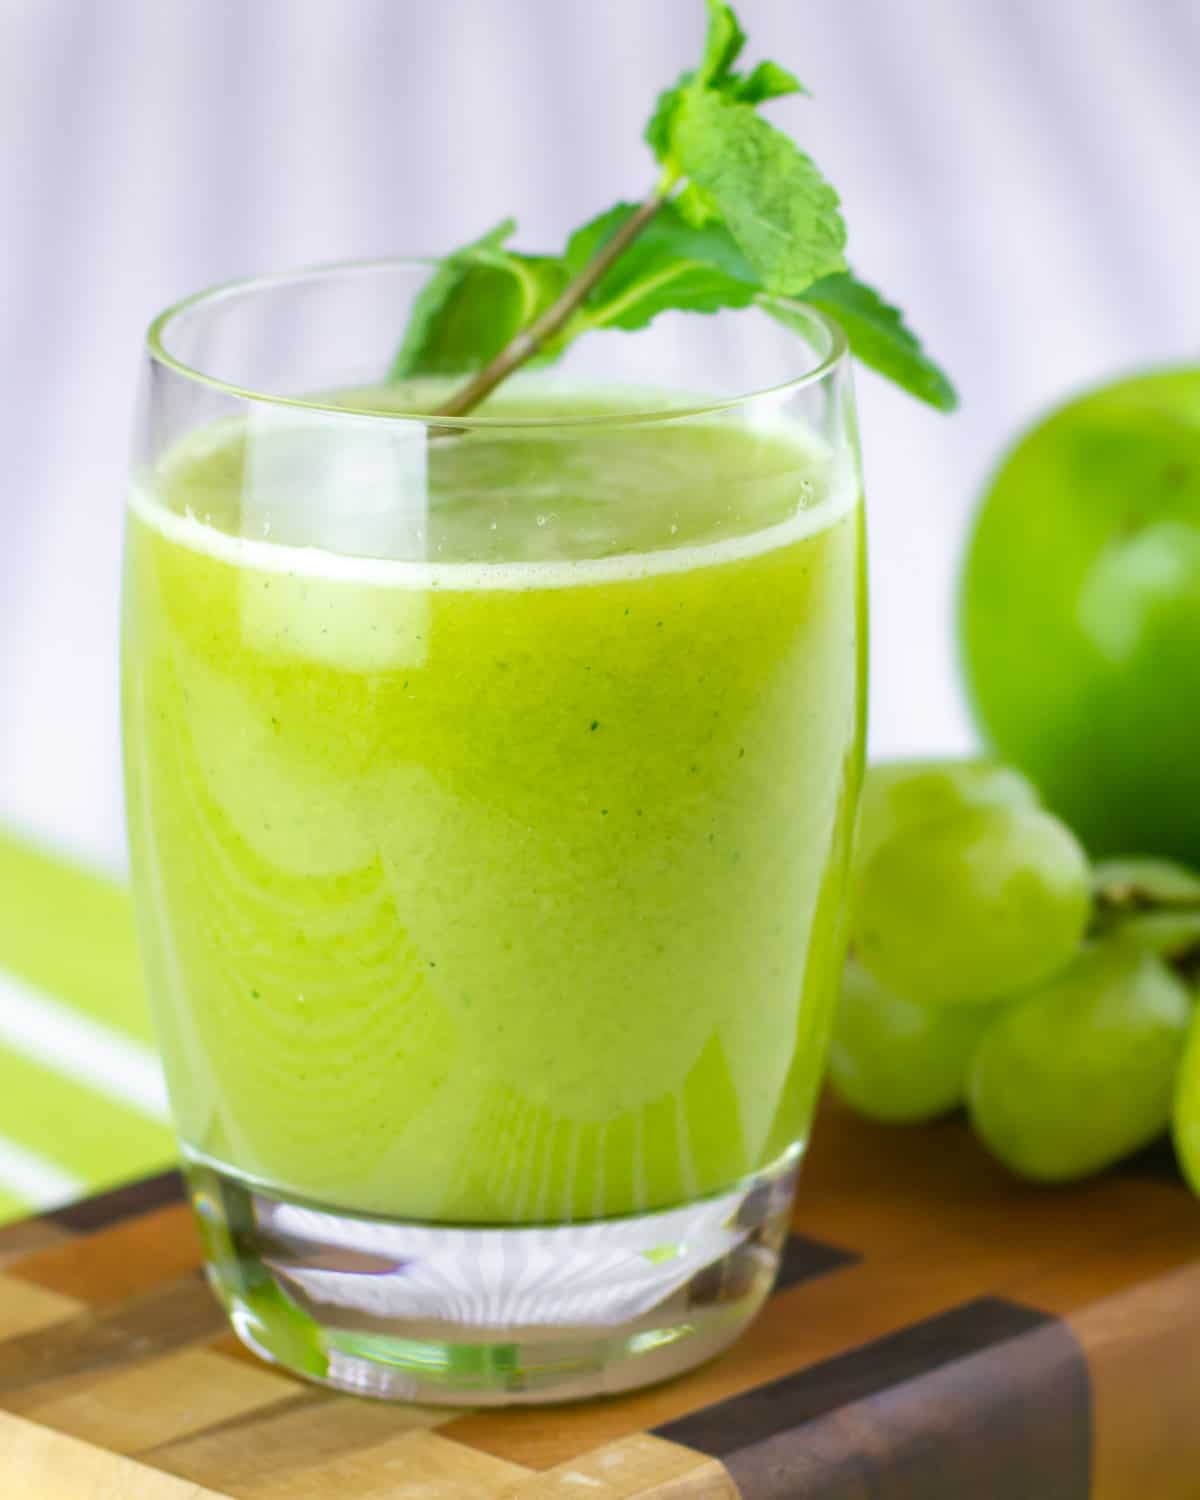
point(476, 502)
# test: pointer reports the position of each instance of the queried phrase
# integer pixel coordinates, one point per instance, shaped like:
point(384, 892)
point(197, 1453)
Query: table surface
point(939, 1331)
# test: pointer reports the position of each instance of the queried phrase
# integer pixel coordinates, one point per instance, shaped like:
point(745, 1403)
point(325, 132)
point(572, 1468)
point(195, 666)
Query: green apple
point(1080, 614)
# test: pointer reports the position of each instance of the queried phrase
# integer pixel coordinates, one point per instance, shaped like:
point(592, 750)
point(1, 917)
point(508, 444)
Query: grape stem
point(524, 345)
point(1120, 905)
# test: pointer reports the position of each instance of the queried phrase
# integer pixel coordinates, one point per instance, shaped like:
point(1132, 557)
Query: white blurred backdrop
point(1020, 175)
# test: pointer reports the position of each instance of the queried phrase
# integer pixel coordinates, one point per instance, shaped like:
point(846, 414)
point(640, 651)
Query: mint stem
point(527, 343)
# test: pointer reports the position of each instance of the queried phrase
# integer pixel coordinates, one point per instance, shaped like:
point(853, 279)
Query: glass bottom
point(477, 1316)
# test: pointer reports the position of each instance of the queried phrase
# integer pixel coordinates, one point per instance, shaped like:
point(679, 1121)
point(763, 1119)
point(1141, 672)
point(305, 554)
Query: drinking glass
point(490, 786)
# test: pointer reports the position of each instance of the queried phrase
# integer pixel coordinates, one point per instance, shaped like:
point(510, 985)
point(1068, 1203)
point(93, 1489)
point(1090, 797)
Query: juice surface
point(505, 885)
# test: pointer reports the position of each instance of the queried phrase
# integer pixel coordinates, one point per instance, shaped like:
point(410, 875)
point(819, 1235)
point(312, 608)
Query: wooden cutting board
point(940, 1333)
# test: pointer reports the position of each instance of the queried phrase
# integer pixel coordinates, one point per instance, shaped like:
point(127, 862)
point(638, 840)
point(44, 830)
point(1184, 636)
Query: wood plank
point(27, 1236)
point(634, 1466)
point(38, 1464)
point(125, 1260)
point(888, 1190)
point(314, 1428)
point(231, 1347)
point(989, 1400)
point(1143, 1349)
point(26, 1309)
point(158, 1401)
point(415, 1466)
point(97, 1339)
point(1147, 1249)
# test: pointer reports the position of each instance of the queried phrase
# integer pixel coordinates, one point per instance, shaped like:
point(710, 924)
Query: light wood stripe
point(37, 1464)
point(96, 1339)
point(159, 1401)
point(415, 1466)
point(26, 1309)
point(635, 1466)
point(316, 1429)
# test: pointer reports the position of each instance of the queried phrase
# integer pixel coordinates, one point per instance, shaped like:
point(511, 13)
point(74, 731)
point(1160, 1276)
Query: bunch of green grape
point(992, 966)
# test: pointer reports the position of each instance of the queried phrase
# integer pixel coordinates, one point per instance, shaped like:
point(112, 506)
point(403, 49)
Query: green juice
point(502, 886)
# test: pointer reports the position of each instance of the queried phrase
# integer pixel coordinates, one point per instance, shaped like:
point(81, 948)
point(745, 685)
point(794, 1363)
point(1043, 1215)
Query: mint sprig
point(739, 215)
point(477, 300)
point(671, 265)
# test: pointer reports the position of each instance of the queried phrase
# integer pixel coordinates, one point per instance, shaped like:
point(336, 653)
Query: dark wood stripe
point(804, 1259)
point(990, 1401)
point(182, 1312)
point(853, 1376)
point(124, 1202)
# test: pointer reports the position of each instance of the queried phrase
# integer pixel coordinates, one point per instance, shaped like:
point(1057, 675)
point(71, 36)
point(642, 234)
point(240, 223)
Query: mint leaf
point(877, 335)
point(723, 43)
point(722, 46)
point(697, 206)
point(657, 134)
point(475, 301)
point(767, 81)
point(672, 265)
point(435, 300)
point(779, 208)
point(774, 200)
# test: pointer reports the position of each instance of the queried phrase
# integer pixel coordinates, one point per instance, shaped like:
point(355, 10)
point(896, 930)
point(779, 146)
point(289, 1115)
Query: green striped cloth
point(81, 1097)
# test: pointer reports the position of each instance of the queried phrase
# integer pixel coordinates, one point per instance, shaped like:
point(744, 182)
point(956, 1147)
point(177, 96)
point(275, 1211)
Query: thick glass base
point(478, 1316)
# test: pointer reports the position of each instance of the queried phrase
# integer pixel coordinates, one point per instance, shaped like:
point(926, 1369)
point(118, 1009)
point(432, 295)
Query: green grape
point(1081, 1072)
point(974, 907)
point(899, 1062)
point(902, 794)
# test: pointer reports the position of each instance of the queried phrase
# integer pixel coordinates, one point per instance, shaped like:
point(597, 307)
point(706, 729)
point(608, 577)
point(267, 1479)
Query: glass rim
point(827, 364)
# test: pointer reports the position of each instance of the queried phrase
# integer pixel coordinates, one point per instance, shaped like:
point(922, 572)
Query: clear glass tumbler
point(490, 787)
